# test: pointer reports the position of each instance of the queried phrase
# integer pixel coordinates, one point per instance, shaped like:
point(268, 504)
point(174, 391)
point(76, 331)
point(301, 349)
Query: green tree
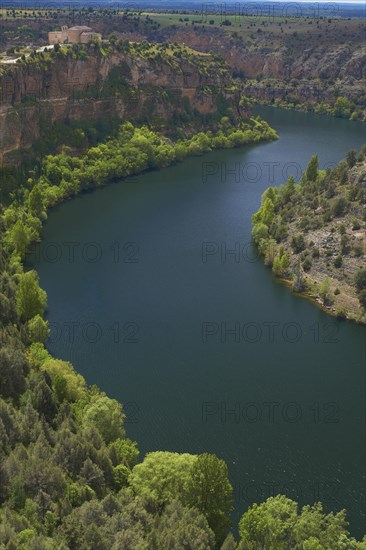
point(342, 107)
point(351, 158)
point(162, 476)
point(20, 238)
point(288, 191)
point(67, 383)
point(266, 212)
point(106, 416)
point(312, 169)
point(260, 231)
point(12, 372)
point(324, 291)
point(229, 543)
point(17, 492)
point(268, 525)
point(298, 243)
point(31, 300)
point(93, 476)
point(37, 329)
point(360, 283)
point(124, 451)
point(182, 528)
point(276, 268)
point(36, 201)
point(210, 491)
point(276, 525)
point(360, 279)
point(339, 206)
point(281, 265)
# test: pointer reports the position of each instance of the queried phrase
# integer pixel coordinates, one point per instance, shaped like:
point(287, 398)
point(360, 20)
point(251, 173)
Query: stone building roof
point(80, 28)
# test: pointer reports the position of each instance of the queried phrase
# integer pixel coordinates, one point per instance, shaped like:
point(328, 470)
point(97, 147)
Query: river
point(156, 296)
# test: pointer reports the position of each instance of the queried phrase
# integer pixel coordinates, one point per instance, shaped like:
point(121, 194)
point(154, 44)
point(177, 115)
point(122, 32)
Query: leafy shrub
point(298, 243)
point(360, 279)
point(341, 312)
point(358, 250)
point(307, 264)
point(339, 207)
point(338, 260)
point(324, 291)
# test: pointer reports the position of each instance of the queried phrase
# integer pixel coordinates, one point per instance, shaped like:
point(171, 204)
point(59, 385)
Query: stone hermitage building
point(80, 34)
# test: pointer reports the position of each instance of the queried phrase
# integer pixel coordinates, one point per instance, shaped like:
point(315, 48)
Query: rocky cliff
point(39, 92)
point(310, 71)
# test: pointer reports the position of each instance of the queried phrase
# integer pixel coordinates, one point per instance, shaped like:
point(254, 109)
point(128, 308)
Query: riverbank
point(341, 108)
point(133, 151)
point(72, 433)
point(312, 236)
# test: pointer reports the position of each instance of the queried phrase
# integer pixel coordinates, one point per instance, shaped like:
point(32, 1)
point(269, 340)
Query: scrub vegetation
point(312, 235)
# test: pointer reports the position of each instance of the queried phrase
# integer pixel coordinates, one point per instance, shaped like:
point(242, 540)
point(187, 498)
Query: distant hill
point(304, 8)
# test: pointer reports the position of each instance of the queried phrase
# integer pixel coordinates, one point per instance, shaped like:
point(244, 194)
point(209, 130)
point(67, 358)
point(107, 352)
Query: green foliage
point(31, 300)
point(339, 206)
point(360, 279)
point(121, 475)
point(260, 232)
point(20, 238)
point(37, 329)
point(182, 528)
point(12, 372)
point(324, 291)
point(289, 212)
point(360, 283)
point(36, 201)
point(124, 451)
point(342, 107)
point(209, 490)
point(351, 158)
point(306, 265)
point(338, 260)
point(312, 169)
point(68, 385)
point(106, 416)
point(268, 525)
point(162, 476)
point(298, 243)
point(276, 524)
point(281, 264)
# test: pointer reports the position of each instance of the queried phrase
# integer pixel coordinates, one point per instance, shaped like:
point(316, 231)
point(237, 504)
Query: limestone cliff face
point(323, 72)
point(117, 85)
point(277, 62)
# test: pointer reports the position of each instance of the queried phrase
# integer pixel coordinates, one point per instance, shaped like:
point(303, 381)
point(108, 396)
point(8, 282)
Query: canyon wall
point(36, 95)
point(316, 72)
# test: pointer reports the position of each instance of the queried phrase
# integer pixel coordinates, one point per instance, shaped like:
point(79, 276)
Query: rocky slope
point(313, 235)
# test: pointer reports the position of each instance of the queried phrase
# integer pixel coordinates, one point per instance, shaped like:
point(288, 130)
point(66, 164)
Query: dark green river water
point(156, 296)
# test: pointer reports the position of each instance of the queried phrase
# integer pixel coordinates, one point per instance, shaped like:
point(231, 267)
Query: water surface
point(207, 352)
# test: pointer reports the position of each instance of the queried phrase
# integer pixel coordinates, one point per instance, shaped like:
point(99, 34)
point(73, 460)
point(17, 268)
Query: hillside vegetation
point(69, 476)
point(313, 235)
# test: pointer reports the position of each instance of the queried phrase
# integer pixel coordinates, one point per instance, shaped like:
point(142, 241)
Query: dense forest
point(69, 476)
point(313, 234)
